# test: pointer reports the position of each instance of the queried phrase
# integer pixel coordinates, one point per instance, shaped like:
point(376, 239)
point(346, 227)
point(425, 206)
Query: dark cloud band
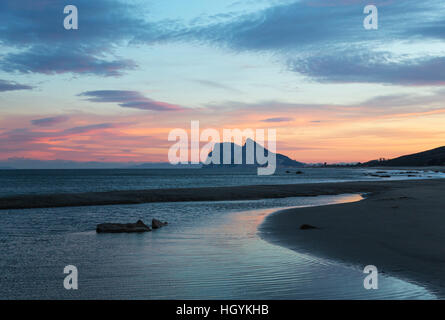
point(129, 99)
point(12, 86)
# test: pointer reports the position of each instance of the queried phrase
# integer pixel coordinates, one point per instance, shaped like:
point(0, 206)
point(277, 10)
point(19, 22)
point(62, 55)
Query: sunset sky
point(134, 70)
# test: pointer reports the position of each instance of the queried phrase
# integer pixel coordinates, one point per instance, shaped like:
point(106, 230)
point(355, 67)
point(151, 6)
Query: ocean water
point(14, 182)
point(209, 250)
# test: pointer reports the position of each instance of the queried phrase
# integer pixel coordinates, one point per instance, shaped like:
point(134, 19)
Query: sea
point(209, 250)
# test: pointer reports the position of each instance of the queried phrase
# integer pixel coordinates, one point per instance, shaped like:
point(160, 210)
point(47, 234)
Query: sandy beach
point(254, 192)
point(400, 229)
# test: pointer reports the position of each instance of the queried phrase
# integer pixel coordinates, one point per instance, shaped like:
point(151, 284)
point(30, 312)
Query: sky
point(113, 89)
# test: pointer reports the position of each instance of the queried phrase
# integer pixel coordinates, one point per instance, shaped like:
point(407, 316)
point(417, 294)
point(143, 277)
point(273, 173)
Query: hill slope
point(434, 157)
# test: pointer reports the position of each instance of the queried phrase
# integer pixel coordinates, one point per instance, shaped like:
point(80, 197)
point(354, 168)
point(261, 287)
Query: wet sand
point(400, 229)
point(202, 194)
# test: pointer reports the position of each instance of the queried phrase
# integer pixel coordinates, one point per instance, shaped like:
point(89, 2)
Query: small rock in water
point(139, 226)
point(156, 224)
point(307, 227)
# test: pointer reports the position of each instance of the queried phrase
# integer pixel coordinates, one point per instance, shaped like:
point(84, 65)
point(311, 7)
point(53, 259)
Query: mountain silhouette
point(434, 157)
point(281, 160)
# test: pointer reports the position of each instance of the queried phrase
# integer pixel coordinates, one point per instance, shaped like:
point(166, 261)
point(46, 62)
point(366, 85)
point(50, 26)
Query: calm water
point(68, 181)
point(210, 250)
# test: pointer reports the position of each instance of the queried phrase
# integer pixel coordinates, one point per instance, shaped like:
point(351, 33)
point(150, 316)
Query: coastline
point(399, 229)
point(253, 192)
point(278, 263)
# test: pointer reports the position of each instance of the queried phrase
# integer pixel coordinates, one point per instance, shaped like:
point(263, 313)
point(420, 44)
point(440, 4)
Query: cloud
point(278, 119)
point(295, 32)
point(23, 138)
point(12, 86)
point(372, 68)
point(88, 128)
point(434, 98)
point(38, 43)
point(45, 122)
point(129, 99)
point(59, 60)
point(114, 139)
point(281, 27)
point(326, 41)
point(407, 104)
point(217, 85)
point(307, 24)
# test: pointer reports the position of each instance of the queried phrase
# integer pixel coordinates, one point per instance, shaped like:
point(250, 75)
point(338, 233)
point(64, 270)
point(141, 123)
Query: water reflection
point(210, 250)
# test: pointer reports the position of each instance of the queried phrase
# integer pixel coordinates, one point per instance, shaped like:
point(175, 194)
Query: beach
point(218, 193)
point(400, 229)
point(223, 241)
